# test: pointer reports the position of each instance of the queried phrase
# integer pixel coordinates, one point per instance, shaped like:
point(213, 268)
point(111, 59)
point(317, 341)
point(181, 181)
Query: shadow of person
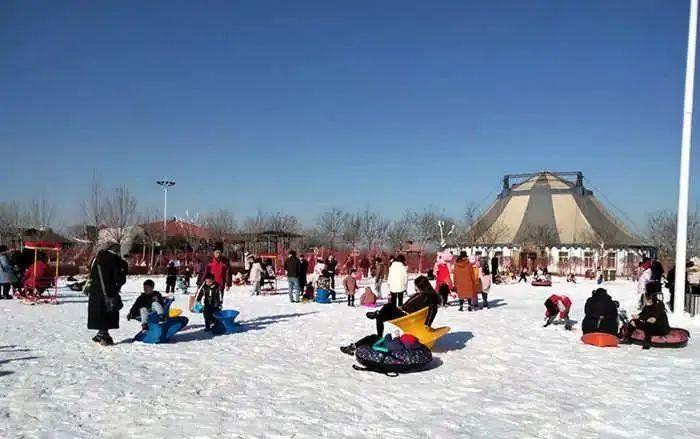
point(453, 341)
point(496, 303)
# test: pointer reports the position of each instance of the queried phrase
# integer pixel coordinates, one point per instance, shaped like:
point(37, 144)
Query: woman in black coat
point(107, 275)
point(653, 319)
point(601, 314)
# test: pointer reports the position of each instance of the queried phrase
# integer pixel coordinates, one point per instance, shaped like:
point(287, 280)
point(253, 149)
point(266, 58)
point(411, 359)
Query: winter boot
point(349, 349)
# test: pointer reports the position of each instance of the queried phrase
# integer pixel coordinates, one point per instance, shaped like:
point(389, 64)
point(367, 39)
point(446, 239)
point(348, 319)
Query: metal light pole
point(166, 184)
point(684, 177)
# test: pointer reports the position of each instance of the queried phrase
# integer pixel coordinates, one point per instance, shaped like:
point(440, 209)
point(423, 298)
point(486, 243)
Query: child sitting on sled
point(560, 305)
point(211, 295)
point(149, 301)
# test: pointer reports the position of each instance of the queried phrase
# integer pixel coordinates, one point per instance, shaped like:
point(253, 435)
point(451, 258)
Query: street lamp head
point(166, 183)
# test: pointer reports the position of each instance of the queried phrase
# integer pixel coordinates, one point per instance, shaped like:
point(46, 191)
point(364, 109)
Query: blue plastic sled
point(323, 296)
point(225, 322)
point(158, 332)
point(161, 332)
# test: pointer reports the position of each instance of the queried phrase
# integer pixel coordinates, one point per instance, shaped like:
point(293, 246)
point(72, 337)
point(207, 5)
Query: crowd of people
point(466, 279)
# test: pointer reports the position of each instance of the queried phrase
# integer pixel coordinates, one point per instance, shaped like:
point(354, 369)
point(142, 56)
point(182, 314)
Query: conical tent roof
point(547, 209)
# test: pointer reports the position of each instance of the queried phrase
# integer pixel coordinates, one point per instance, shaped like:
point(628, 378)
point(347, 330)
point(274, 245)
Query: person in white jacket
point(644, 279)
point(255, 276)
point(398, 280)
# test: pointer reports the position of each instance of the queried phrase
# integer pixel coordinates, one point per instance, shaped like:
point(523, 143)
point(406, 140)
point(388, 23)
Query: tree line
point(117, 209)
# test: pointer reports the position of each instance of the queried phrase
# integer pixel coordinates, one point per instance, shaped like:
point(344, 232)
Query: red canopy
point(42, 245)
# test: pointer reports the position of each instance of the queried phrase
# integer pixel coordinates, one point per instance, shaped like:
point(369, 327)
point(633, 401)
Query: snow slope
point(498, 374)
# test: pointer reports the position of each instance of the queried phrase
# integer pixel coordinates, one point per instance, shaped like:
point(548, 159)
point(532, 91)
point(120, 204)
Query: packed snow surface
point(498, 374)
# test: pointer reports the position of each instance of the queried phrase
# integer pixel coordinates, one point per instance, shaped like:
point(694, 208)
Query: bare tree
point(254, 224)
point(373, 229)
point(40, 214)
point(399, 232)
point(221, 224)
point(94, 209)
point(425, 228)
point(280, 222)
point(12, 221)
point(119, 215)
point(661, 232)
point(540, 236)
point(352, 230)
point(331, 224)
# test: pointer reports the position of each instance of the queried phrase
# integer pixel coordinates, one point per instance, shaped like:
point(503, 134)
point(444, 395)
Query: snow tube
point(541, 283)
point(677, 338)
point(600, 339)
point(410, 358)
point(323, 296)
point(161, 332)
point(225, 322)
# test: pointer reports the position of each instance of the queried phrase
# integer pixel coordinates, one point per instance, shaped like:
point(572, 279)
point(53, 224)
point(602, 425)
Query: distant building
point(548, 220)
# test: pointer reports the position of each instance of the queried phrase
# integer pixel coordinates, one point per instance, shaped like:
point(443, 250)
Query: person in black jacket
point(426, 296)
point(331, 266)
point(170, 278)
point(652, 319)
point(291, 266)
point(601, 314)
point(149, 301)
point(657, 270)
point(107, 275)
point(210, 294)
point(303, 270)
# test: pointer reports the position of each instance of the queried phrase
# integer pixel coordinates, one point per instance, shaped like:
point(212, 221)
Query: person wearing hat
point(107, 275)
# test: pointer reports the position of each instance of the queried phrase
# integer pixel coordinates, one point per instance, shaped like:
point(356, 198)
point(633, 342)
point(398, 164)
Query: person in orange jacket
point(465, 282)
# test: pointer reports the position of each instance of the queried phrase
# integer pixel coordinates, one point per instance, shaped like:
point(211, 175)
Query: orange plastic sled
point(414, 324)
point(600, 339)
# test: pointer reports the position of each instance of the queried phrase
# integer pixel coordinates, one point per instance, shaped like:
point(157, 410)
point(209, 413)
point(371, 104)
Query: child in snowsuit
point(210, 294)
point(350, 284)
point(149, 301)
point(558, 305)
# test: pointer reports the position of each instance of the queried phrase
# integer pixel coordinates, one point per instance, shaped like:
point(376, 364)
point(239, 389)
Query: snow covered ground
point(499, 374)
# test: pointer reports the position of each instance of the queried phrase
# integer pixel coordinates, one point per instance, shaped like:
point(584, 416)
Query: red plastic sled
point(542, 283)
point(677, 338)
point(600, 339)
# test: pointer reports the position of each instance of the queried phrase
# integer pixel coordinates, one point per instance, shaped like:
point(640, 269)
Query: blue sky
point(300, 106)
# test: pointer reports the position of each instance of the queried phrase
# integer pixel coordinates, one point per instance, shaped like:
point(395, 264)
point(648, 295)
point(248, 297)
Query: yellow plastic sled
point(174, 312)
point(414, 324)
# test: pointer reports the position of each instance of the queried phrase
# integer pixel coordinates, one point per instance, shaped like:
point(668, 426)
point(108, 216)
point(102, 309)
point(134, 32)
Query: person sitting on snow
point(601, 314)
point(558, 305)
point(653, 319)
point(149, 301)
point(425, 296)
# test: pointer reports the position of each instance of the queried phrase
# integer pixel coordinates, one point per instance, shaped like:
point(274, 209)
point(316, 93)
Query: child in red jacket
point(558, 305)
